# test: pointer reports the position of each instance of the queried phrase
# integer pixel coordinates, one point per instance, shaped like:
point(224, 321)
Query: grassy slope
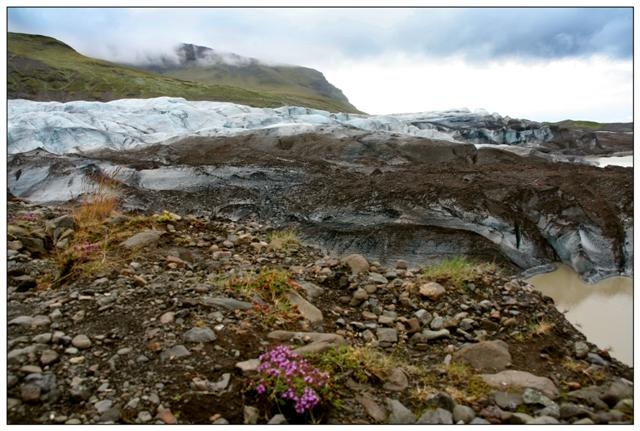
point(43, 68)
point(289, 82)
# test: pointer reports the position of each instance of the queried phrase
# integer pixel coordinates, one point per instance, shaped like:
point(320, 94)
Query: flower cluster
point(286, 375)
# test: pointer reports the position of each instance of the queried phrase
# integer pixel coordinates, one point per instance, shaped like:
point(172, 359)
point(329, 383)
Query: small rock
point(485, 356)
point(543, 420)
point(248, 366)
point(307, 310)
point(31, 369)
point(166, 416)
point(377, 278)
point(111, 415)
point(438, 416)
point(103, 406)
point(81, 341)
point(507, 400)
point(278, 419)
point(625, 406)
point(21, 321)
point(402, 264)
point(399, 414)
point(423, 316)
point(584, 421)
point(437, 323)
point(531, 396)
point(433, 335)
point(522, 379)
point(432, 290)
point(199, 335)
point(251, 415)
point(140, 240)
point(124, 351)
point(40, 320)
point(581, 349)
point(479, 421)
point(397, 381)
point(371, 407)
point(177, 351)
point(617, 391)
point(463, 413)
point(30, 392)
point(144, 416)
point(227, 303)
point(387, 335)
point(596, 359)
point(48, 356)
point(357, 263)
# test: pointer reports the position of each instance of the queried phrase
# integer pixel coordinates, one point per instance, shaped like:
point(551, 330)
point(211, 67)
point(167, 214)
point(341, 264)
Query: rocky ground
point(158, 319)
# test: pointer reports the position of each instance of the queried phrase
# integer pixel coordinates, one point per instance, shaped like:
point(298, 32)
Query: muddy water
point(602, 311)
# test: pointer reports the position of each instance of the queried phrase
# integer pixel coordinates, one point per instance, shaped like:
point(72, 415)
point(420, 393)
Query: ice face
point(82, 126)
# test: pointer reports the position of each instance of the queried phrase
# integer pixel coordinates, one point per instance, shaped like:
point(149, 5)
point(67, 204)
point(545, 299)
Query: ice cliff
point(82, 126)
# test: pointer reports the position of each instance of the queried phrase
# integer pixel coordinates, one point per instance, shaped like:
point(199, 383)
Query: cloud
point(298, 35)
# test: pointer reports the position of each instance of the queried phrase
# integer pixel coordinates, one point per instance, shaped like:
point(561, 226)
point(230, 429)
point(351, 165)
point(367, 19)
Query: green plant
point(457, 271)
point(362, 363)
point(286, 240)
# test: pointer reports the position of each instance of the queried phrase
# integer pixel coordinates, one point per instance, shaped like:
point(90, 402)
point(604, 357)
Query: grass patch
point(267, 291)
point(284, 240)
point(363, 364)
point(541, 328)
point(457, 271)
point(459, 381)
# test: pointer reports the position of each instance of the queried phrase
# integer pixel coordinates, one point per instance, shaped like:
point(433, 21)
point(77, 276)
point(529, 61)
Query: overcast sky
point(536, 63)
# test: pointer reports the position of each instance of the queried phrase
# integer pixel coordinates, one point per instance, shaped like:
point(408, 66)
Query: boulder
point(485, 356)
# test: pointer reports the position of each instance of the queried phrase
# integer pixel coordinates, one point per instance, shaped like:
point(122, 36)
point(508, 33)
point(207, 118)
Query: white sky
point(535, 63)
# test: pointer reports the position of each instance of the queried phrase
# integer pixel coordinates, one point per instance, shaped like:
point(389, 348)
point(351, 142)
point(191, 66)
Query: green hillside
point(45, 69)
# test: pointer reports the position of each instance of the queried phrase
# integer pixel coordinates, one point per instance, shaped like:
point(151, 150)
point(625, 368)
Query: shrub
point(456, 271)
point(284, 240)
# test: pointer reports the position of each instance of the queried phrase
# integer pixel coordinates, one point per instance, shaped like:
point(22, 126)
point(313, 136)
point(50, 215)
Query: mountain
point(45, 69)
point(204, 64)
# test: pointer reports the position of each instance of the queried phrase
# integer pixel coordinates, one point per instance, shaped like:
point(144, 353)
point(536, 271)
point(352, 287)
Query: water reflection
point(602, 311)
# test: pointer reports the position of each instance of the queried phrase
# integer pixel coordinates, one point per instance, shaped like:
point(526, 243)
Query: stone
point(312, 290)
point(589, 396)
point(397, 381)
point(617, 391)
point(251, 415)
point(386, 320)
point(31, 369)
point(581, 349)
point(357, 263)
point(141, 240)
point(434, 335)
point(48, 357)
point(278, 419)
point(320, 341)
point(485, 356)
point(144, 416)
point(463, 414)
point(440, 400)
point(81, 341)
point(21, 321)
point(521, 379)
point(507, 400)
point(519, 418)
point(372, 408)
point(111, 415)
point(402, 264)
point(166, 416)
point(103, 406)
point(399, 414)
point(42, 338)
point(177, 351)
point(40, 320)
point(227, 303)
point(625, 406)
point(423, 316)
point(543, 420)
point(30, 392)
point(584, 421)
point(531, 396)
point(438, 416)
point(248, 366)
point(432, 290)
point(479, 421)
point(377, 278)
point(387, 335)
point(307, 310)
point(199, 335)
point(437, 323)
point(596, 359)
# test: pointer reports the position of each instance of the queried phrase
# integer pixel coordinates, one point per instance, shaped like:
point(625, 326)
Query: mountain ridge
point(42, 68)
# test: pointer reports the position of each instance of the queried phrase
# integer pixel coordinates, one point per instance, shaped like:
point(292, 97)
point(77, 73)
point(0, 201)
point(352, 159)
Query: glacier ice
point(82, 126)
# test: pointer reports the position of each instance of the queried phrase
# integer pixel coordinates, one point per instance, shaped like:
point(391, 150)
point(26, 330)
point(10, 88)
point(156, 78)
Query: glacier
point(81, 126)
